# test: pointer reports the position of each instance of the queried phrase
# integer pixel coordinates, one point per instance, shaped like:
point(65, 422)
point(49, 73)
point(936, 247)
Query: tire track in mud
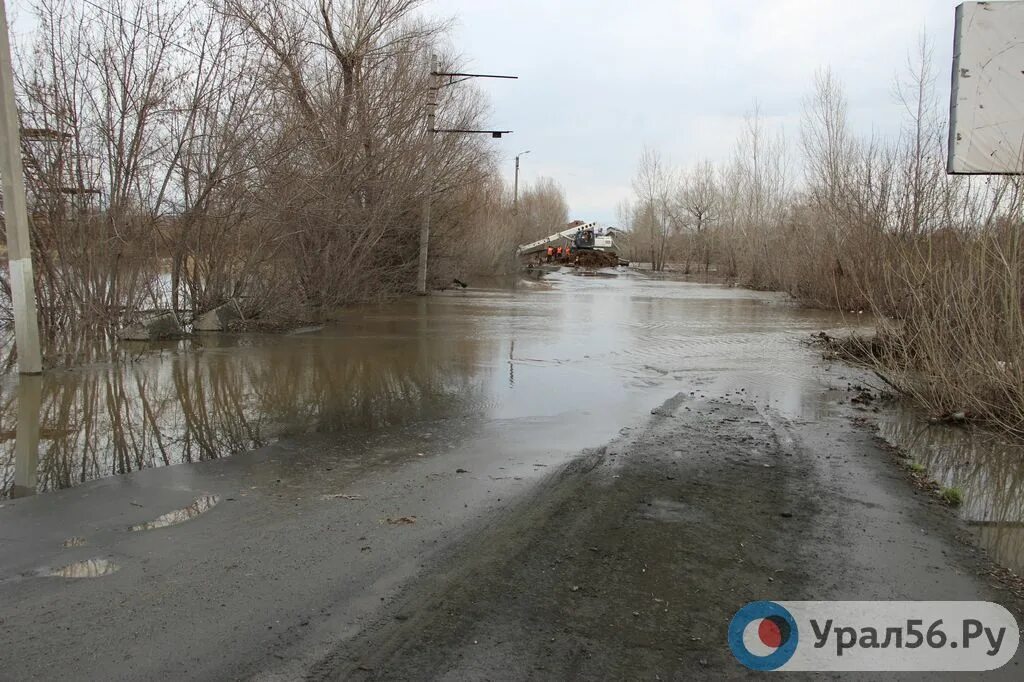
point(628, 563)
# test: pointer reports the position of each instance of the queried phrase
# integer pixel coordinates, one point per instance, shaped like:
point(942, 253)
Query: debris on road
point(865, 397)
point(596, 259)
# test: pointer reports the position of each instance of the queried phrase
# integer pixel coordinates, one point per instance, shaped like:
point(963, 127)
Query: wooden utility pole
point(19, 246)
point(421, 287)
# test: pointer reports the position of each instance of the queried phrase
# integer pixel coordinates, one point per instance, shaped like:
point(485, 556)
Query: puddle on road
point(985, 466)
point(90, 568)
point(201, 505)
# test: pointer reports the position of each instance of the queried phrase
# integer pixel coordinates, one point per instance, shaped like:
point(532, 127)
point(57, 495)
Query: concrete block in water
point(218, 319)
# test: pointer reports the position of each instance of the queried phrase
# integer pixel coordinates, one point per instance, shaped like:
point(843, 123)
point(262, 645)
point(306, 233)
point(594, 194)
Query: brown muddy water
point(560, 355)
point(987, 468)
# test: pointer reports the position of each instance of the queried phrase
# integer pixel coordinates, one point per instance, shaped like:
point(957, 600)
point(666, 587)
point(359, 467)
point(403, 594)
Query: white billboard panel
point(986, 121)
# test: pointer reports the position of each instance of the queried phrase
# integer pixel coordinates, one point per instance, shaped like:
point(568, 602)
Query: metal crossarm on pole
point(456, 77)
point(492, 133)
point(473, 75)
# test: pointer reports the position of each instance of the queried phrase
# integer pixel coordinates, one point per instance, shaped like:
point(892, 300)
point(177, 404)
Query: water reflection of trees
point(988, 468)
point(222, 400)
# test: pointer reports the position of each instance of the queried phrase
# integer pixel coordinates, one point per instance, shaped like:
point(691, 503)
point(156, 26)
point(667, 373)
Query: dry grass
point(954, 342)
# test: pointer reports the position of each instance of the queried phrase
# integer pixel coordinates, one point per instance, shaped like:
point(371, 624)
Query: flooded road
point(568, 351)
point(541, 469)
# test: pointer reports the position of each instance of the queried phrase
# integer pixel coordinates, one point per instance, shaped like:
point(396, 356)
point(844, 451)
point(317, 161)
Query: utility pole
point(429, 161)
point(421, 287)
point(19, 246)
point(26, 435)
point(515, 190)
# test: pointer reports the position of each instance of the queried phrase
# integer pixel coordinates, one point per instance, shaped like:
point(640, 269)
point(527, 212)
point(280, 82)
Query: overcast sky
point(601, 78)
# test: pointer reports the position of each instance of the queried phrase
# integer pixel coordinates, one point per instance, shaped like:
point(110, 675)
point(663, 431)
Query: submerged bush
point(952, 496)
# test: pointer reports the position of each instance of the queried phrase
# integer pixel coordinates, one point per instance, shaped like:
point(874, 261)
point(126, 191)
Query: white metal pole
point(26, 436)
point(19, 247)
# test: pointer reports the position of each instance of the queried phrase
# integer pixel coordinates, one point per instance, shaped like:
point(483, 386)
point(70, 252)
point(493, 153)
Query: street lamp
point(515, 191)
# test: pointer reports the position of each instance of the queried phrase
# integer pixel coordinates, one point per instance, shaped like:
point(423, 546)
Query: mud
point(629, 563)
point(594, 259)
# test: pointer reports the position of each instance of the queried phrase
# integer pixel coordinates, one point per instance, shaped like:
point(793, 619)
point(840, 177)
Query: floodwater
point(545, 360)
point(987, 467)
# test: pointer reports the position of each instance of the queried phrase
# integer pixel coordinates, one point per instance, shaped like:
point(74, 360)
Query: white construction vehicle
point(579, 237)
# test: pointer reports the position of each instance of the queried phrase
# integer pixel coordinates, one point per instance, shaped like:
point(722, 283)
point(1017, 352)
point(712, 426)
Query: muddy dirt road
point(580, 480)
point(629, 563)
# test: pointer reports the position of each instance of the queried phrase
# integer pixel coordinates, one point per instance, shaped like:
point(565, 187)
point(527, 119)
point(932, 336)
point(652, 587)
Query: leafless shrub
point(542, 211)
point(179, 156)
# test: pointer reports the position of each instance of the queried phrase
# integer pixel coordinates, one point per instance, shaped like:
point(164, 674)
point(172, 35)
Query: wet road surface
point(416, 491)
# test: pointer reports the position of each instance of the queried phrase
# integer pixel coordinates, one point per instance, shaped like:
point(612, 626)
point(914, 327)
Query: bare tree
point(700, 198)
point(543, 210)
point(699, 195)
point(827, 145)
point(654, 215)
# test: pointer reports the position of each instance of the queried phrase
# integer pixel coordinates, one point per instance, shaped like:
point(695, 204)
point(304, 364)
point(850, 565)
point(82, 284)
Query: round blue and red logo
point(763, 635)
